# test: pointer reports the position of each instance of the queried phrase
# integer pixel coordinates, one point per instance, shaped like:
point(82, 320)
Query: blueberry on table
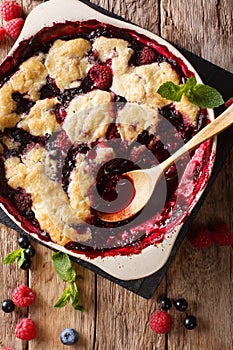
point(26, 265)
point(181, 304)
point(8, 306)
point(30, 251)
point(23, 242)
point(69, 336)
point(190, 322)
point(166, 303)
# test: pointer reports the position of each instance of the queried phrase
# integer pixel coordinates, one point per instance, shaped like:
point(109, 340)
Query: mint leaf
point(13, 256)
point(205, 96)
point(190, 83)
point(64, 299)
point(75, 297)
point(171, 91)
point(201, 95)
point(63, 267)
point(21, 259)
point(67, 273)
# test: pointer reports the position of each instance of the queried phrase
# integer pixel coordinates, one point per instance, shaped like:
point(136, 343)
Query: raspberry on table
point(160, 322)
point(201, 238)
point(26, 329)
point(221, 235)
point(23, 296)
point(14, 27)
point(2, 32)
point(101, 75)
point(10, 9)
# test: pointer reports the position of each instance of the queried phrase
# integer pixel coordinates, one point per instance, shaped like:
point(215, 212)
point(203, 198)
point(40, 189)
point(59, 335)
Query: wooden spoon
point(145, 180)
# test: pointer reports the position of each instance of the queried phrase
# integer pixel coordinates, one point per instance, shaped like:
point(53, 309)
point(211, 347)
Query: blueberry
point(166, 303)
point(8, 306)
point(190, 322)
point(23, 242)
point(69, 336)
point(181, 304)
point(30, 251)
point(26, 265)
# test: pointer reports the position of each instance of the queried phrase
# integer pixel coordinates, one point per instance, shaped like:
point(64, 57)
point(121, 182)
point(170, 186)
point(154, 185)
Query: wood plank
point(198, 275)
point(11, 277)
point(50, 321)
point(122, 320)
point(204, 28)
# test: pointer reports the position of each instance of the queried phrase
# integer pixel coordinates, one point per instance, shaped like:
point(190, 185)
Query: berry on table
point(69, 336)
point(8, 305)
point(160, 322)
point(202, 238)
point(2, 32)
point(30, 251)
point(10, 9)
point(26, 265)
point(14, 27)
point(26, 329)
point(23, 296)
point(166, 303)
point(221, 235)
point(190, 322)
point(181, 304)
point(23, 242)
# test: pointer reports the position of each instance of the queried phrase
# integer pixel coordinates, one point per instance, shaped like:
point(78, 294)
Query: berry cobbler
point(78, 108)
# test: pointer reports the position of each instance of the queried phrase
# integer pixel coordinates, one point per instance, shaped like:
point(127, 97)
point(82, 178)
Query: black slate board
point(221, 80)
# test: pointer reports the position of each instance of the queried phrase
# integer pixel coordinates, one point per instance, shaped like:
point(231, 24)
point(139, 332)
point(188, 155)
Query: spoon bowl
point(145, 180)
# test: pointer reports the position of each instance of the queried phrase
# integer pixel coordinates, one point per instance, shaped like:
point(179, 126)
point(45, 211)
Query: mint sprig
point(67, 273)
point(201, 95)
point(15, 256)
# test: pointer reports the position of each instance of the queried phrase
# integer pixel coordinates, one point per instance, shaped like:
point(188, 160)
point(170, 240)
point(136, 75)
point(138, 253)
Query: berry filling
point(104, 151)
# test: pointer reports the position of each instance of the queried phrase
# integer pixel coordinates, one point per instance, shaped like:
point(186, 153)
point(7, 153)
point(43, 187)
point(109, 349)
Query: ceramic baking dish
point(153, 257)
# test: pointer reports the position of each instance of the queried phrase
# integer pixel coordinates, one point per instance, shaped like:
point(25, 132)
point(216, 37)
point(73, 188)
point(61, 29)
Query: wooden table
point(116, 319)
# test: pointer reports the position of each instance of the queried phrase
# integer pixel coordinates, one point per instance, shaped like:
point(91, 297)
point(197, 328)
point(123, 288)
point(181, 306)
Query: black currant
point(30, 251)
point(23, 242)
point(166, 303)
point(181, 304)
point(190, 322)
point(8, 305)
point(26, 264)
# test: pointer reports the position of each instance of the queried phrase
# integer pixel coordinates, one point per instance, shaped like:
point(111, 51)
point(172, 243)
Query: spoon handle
point(219, 124)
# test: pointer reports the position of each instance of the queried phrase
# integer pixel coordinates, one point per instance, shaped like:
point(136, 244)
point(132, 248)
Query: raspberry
point(23, 296)
point(160, 322)
point(10, 9)
point(202, 238)
point(101, 76)
point(221, 235)
point(26, 329)
point(14, 27)
point(2, 32)
point(147, 55)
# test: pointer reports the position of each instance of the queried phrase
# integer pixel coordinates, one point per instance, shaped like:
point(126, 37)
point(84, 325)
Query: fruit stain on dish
point(122, 146)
